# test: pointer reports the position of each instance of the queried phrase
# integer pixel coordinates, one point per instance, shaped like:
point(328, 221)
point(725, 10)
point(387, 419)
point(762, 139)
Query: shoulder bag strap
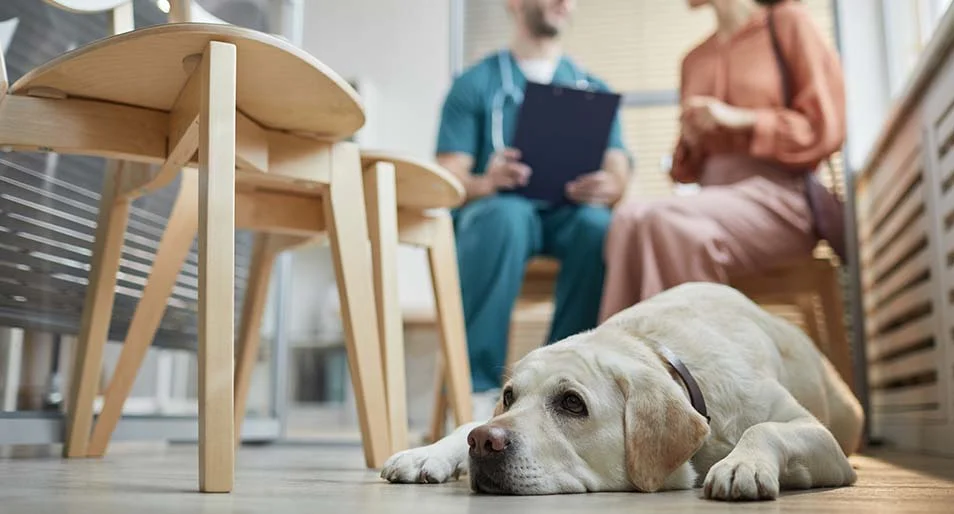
point(787, 81)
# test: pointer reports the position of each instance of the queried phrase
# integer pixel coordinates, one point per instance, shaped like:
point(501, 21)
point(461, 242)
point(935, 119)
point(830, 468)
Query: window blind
point(634, 45)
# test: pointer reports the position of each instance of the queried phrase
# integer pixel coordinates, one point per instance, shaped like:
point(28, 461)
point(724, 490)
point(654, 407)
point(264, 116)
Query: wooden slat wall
point(896, 256)
point(906, 222)
point(938, 126)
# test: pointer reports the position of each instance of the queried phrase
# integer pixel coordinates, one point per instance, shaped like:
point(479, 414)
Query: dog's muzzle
point(490, 450)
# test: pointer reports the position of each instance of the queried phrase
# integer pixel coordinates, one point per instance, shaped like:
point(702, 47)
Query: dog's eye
point(507, 397)
point(572, 403)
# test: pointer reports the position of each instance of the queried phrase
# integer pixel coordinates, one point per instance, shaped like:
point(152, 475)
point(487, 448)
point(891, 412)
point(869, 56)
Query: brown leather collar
point(695, 394)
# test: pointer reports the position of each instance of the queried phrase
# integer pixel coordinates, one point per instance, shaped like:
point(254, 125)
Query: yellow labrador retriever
point(696, 382)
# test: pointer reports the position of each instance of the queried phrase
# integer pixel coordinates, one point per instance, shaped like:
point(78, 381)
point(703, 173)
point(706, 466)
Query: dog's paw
point(740, 480)
point(420, 466)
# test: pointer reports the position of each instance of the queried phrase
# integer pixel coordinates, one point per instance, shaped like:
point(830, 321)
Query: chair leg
point(839, 351)
point(806, 305)
point(97, 311)
point(256, 296)
point(12, 341)
point(172, 254)
point(381, 203)
point(216, 267)
point(347, 223)
point(440, 398)
point(442, 255)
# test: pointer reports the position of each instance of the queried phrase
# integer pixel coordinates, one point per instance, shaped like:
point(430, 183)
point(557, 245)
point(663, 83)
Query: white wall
point(400, 47)
point(398, 50)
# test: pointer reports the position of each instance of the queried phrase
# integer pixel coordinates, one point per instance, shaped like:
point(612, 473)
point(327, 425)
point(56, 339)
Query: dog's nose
point(487, 440)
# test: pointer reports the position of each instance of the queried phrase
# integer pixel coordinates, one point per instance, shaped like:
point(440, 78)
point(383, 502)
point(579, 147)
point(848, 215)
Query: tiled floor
point(330, 480)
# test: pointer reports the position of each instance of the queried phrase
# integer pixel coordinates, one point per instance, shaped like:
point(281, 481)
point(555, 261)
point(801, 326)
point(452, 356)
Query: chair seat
point(278, 85)
point(420, 184)
point(795, 277)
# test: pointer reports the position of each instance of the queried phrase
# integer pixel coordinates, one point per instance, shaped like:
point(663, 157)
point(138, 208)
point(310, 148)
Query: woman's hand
point(705, 114)
point(690, 133)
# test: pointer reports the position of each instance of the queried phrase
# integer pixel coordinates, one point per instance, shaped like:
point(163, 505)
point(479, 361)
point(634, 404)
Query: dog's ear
point(662, 430)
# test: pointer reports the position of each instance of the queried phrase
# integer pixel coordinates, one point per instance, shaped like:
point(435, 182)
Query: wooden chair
point(403, 194)
point(812, 285)
point(399, 192)
point(244, 102)
point(799, 284)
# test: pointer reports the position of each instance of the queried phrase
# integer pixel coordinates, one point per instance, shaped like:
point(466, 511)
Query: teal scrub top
point(466, 114)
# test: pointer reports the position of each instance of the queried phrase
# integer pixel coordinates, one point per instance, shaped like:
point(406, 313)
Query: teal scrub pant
point(496, 236)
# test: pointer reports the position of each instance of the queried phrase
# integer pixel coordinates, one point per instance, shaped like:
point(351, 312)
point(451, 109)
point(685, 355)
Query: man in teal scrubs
point(497, 234)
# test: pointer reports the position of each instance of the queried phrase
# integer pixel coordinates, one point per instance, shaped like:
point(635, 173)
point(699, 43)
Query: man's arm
point(459, 134)
point(504, 171)
point(460, 164)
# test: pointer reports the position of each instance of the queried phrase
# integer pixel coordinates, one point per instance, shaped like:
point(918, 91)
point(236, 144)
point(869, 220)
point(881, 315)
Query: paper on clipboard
point(562, 133)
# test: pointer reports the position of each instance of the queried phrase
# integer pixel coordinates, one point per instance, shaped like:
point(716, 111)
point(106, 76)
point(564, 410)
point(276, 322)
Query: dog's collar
point(695, 394)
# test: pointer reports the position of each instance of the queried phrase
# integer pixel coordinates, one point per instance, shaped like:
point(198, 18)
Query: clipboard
point(562, 133)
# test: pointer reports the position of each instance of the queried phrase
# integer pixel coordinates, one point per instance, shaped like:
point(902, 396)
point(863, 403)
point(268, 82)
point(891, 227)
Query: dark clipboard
point(562, 133)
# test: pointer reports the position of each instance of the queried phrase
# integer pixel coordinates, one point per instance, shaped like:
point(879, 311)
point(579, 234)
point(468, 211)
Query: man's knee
point(501, 217)
point(588, 226)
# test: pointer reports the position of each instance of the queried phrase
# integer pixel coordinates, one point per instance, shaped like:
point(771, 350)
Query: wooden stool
point(397, 191)
point(413, 189)
point(157, 96)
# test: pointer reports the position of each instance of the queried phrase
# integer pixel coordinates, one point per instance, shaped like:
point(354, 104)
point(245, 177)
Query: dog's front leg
point(433, 464)
point(789, 450)
point(796, 454)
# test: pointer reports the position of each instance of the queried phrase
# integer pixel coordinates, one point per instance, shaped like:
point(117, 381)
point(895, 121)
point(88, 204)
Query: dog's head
point(588, 414)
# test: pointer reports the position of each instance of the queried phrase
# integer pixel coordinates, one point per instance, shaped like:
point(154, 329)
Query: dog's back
point(723, 336)
point(837, 408)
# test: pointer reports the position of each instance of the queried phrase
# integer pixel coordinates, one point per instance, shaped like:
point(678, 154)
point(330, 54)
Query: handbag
point(827, 209)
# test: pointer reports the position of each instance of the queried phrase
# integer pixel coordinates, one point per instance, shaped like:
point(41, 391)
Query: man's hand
point(704, 114)
point(505, 171)
point(599, 187)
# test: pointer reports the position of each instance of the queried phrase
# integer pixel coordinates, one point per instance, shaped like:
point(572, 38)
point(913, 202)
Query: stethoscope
point(509, 89)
